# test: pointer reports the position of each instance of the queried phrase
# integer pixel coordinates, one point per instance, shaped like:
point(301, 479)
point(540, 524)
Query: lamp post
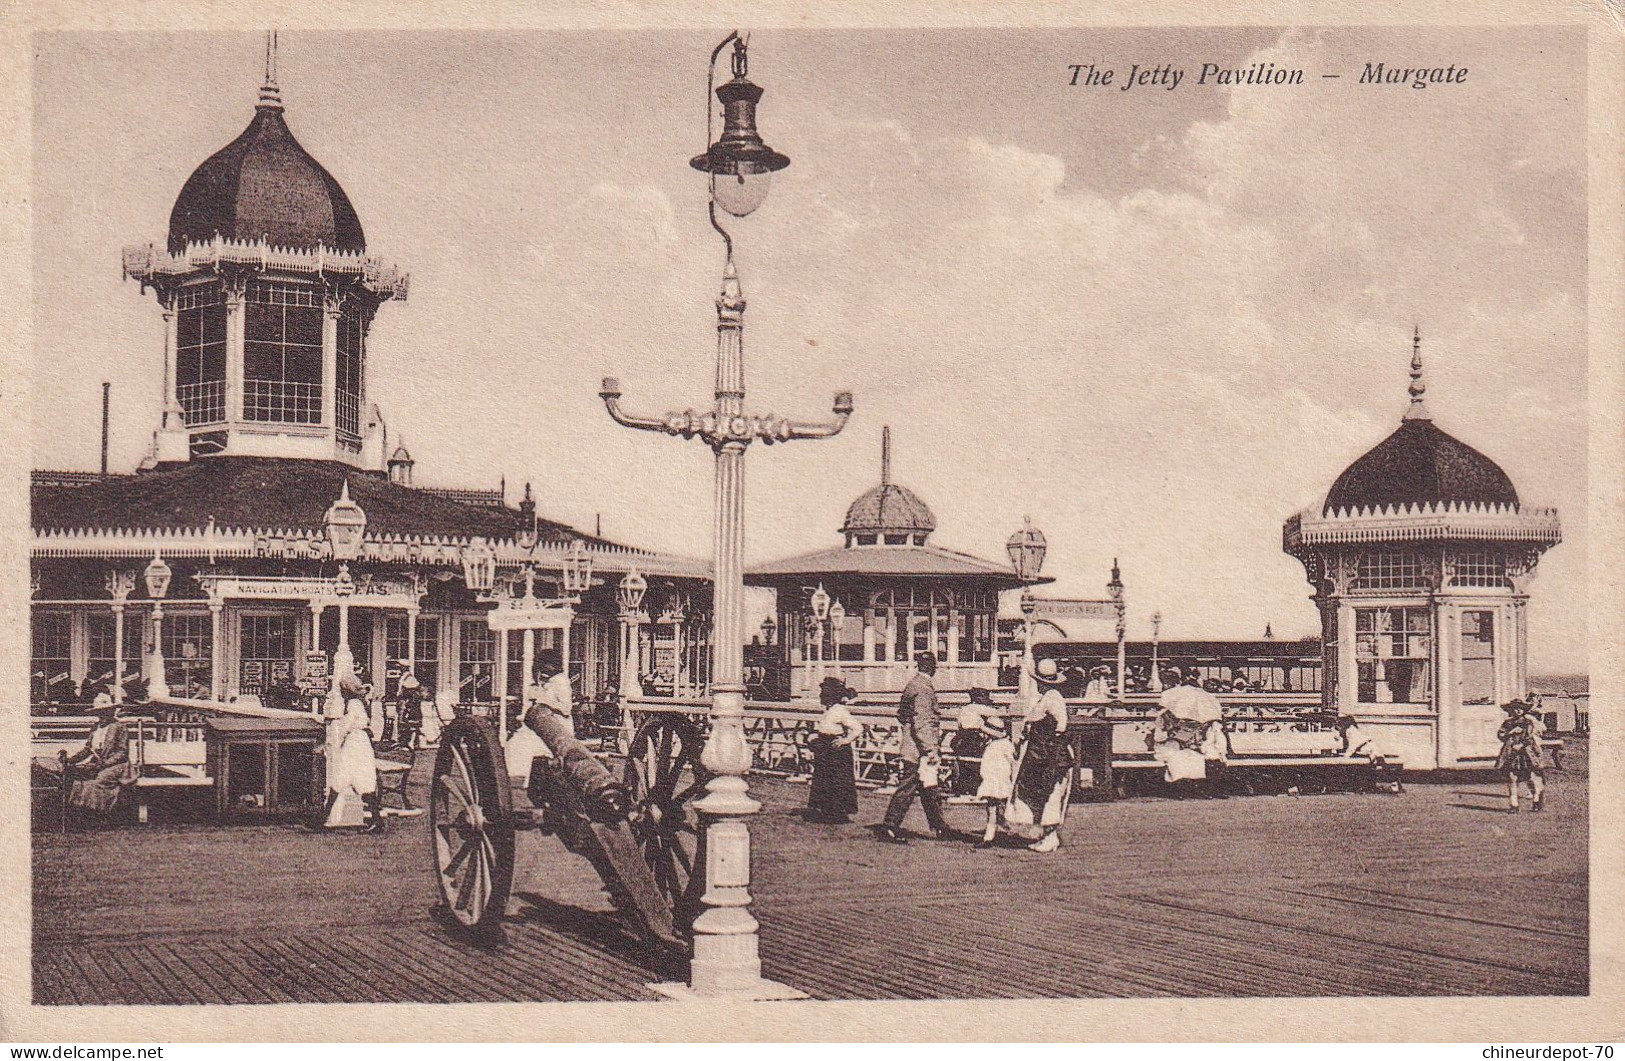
point(837, 617)
point(769, 629)
point(629, 594)
point(157, 576)
point(1114, 589)
point(726, 957)
point(819, 603)
point(1027, 548)
point(1156, 646)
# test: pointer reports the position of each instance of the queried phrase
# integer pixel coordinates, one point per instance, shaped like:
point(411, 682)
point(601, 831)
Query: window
point(267, 651)
point(1479, 567)
point(476, 659)
point(1392, 649)
point(352, 337)
point(99, 629)
point(200, 355)
point(1478, 657)
point(1389, 569)
point(282, 354)
point(428, 655)
point(50, 668)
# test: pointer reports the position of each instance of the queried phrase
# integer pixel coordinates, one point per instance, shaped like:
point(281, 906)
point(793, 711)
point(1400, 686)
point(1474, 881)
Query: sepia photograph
point(1149, 556)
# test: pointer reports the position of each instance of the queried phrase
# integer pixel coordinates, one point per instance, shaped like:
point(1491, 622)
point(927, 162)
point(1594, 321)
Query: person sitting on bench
point(96, 774)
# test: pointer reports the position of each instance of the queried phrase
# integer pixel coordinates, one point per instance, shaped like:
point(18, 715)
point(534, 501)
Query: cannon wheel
point(471, 827)
point(664, 777)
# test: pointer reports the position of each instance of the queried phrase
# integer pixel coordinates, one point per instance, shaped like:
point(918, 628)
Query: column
point(1348, 670)
point(1520, 686)
point(868, 635)
point(234, 350)
point(330, 360)
point(171, 374)
point(953, 636)
point(157, 685)
point(502, 685)
point(679, 653)
point(412, 641)
point(217, 647)
point(528, 676)
point(118, 651)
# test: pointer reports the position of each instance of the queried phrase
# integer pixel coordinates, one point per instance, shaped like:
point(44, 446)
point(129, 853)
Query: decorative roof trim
point(213, 543)
point(1433, 522)
point(151, 265)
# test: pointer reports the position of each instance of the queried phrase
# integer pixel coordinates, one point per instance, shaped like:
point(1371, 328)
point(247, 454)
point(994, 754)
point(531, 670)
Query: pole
point(106, 391)
point(157, 685)
point(1026, 685)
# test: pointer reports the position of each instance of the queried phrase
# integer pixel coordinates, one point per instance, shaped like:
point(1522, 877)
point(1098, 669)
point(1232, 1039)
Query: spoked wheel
point(471, 826)
point(664, 778)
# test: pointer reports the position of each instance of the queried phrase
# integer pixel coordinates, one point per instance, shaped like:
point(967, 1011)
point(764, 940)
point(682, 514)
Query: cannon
point(631, 818)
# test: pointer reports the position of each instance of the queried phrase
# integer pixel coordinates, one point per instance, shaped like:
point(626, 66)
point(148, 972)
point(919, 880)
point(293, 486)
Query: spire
point(270, 94)
point(1418, 409)
point(885, 456)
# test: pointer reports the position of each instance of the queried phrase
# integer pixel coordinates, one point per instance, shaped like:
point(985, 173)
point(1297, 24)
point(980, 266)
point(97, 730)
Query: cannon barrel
point(605, 797)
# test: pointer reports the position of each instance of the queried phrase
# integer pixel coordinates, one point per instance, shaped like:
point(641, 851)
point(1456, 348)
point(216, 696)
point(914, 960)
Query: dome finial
point(1418, 388)
point(885, 456)
point(270, 94)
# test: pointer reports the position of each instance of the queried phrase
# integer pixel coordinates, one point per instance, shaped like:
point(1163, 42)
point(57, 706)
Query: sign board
point(315, 682)
point(529, 613)
point(253, 676)
point(1104, 610)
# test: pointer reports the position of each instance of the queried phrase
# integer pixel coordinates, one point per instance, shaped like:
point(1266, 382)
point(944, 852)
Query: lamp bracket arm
point(611, 395)
point(786, 430)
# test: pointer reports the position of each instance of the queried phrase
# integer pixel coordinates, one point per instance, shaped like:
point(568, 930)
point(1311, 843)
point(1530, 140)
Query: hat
point(410, 681)
point(1047, 670)
point(836, 688)
point(103, 702)
point(1101, 671)
point(926, 657)
point(980, 695)
point(350, 685)
point(1513, 707)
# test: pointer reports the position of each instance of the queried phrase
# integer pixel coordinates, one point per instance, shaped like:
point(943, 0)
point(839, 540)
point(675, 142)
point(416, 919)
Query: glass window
point(352, 334)
point(50, 668)
point(282, 354)
point(200, 356)
point(1478, 657)
point(267, 651)
point(99, 630)
point(1479, 567)
point(1389, 569)
point(1392, 649)
point(476, 659)
point(428, 654)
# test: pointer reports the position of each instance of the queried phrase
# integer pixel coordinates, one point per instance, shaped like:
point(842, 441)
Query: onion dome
point(265, 186)
point(888, 508)
point(1420, 465)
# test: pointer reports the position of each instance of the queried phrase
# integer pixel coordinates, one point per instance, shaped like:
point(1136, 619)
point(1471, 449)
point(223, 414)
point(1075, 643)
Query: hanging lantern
point(769, 629)
point(577, 564)
point(740, 164)
point(820, 603)
point(479, 565)
point(345, 524)
point(1027, 548)
point(837, 614)
point(157, 576)
point(630, 592)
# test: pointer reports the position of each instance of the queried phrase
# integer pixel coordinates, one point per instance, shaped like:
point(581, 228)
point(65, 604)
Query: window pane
point(189, 327)
point(303, 365)
point(214, 324)
point(263, 323)
point(262, 361)
point(304, 327)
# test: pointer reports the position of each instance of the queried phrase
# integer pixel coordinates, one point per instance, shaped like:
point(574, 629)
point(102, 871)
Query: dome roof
point(263, 185)
point(888, 507)
point(1420, 465)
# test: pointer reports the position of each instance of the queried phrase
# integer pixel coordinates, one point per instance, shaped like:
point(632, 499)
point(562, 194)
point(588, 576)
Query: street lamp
point(1027, 548)
point(769, 629)
point(1114, 590)
point(727, 961)
point(837, 616)
point(157, 576)
point(820, 613)
point(577, 565)
point(629, 594)
point(1156, 639)
point(343, 658)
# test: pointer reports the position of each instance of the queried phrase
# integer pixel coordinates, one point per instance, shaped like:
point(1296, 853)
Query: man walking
point(922, 743)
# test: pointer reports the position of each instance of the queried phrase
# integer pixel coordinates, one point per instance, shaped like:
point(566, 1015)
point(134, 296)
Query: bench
point(1388, 769)
point(180, 761)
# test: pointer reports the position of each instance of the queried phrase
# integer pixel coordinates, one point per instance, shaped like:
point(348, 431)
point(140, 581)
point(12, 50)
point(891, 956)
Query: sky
point(1157, 322)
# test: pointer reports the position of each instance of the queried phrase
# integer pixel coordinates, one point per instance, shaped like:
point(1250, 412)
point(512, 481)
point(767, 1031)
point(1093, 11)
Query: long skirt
point(98, 792)
point(1043, 783)
point(834, 789)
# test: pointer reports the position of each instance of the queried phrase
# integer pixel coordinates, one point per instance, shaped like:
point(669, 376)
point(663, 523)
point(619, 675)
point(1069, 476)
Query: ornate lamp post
point(1114, 590)
point(726, 959)
point(819, 603)
point(837, 618)
point(157, 576)
point(1027, 548)
point(1156, 663)
point(769, 629)
point(629, 594)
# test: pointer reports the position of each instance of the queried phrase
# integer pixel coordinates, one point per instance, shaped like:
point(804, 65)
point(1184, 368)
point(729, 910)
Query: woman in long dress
point(1520, 757)
point(833, 795)
point(97, 773)
point(356, 774)
point(1044, 768)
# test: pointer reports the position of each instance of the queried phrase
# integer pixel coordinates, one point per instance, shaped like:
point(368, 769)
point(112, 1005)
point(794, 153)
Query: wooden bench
point(180, 761)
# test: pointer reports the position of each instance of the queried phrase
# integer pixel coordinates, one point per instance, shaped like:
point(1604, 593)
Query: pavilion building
point(862, 611)
point(1421, 555)
point(271, 521)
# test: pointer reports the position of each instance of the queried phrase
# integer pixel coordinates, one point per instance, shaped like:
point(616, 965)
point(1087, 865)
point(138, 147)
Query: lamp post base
point(758, 991)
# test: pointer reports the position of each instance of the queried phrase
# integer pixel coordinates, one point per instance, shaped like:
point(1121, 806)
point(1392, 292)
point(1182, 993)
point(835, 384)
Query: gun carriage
point(631, 817)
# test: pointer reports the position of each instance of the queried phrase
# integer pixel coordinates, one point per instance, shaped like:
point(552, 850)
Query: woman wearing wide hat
point(96, 774)
point(1044, 765)
point(833, 795)
point(1520, 757)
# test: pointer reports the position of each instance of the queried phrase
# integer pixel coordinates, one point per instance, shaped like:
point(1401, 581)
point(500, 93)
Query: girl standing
point(1520, 757)
point(833, 796)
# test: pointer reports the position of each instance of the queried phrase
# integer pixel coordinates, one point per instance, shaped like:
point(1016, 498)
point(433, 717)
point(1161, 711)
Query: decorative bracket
point(717, 428)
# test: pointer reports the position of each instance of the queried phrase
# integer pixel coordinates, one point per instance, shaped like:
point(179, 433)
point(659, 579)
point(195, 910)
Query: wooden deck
point(1431, 892)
